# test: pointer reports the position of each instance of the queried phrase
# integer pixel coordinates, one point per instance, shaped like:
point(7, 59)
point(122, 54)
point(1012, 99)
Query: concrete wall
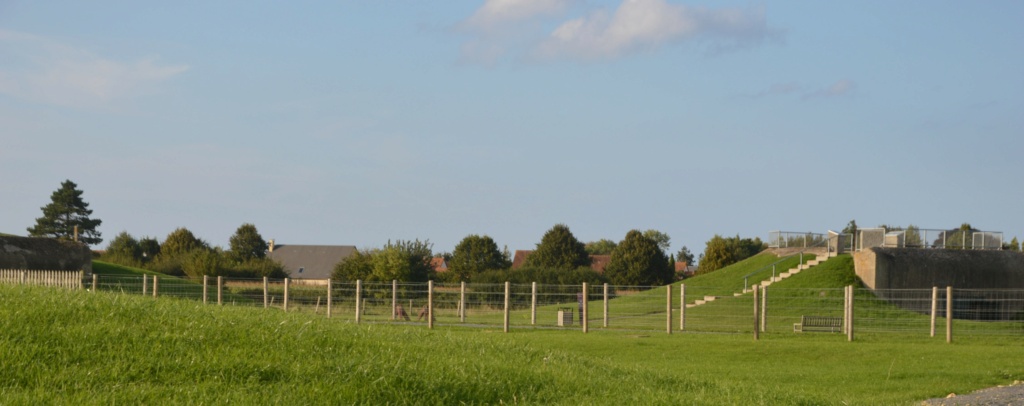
point(909, 268)
point(44, 254)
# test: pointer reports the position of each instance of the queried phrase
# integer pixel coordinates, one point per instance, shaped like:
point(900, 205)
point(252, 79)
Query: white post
point(682, 307)
point(583, 314)
point(606, 305)
point(757, 333)
point(286, 285)
point(359, 300)
point(935, 308)
point(394, 299)
point(430, 304)
point(668, 309)
point(846, 309)
point(95, 282)
point(206, 284)
point(266, 293)
point(144, 279)
point(533, 304)
point(507, 305)
point(849, 329)
point(462, 302)
point(154, 285)
point(949, 314)
point(764, 306)
point(330, 287)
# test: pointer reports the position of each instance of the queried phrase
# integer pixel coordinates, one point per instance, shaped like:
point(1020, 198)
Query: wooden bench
point(829, 324)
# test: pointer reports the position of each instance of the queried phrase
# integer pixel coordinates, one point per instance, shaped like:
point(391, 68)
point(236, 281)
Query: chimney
point(270, 245)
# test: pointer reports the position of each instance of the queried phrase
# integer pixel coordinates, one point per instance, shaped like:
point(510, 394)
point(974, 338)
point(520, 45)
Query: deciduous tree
point(559, 249)
point(600, 247)
point(638, 260)
point(247, 243)
point(476, 254)
point(65, 211)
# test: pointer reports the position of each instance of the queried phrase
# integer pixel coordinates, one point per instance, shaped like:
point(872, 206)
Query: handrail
point(773, 264)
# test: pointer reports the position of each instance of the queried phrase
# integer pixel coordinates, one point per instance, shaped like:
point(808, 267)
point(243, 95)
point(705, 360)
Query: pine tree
point(65, 211)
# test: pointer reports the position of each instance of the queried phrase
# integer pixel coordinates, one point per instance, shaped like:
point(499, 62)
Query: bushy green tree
point(475, 254)
point(247, 243)
point(559, 249)
point(1014, 245)
point(600, 247)
point(721, 252)
point(124, 249)
point(181, 241)
point(197, 263)
point(684, 255)
point(663, 240)
point(407, 261)
point(65, 211)
point(357, 266)
point(149, 248)
point(638, 261)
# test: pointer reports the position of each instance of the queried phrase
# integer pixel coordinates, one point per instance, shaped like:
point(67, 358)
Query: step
point(698, 302)
point(691, 305)
point(739, 293)
point(710, 298)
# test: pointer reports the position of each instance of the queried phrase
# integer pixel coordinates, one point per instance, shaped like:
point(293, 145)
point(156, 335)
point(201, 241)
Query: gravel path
point(1001, 396)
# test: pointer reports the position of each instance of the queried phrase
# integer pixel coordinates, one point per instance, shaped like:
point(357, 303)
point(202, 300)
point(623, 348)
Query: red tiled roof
point(519, 259)
point(597, 262)
point(439, 264)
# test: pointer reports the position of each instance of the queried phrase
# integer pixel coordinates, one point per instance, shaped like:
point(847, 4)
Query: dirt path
point(1011, 395)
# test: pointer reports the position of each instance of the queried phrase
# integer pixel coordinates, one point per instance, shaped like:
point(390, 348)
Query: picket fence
point(60, 279)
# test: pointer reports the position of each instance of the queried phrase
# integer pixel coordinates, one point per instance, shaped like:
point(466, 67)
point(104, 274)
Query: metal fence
point(914, 237)
point(606, 307)
point(795, 239)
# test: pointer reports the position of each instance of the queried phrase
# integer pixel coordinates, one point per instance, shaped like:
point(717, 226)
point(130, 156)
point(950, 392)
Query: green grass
point(79, 347)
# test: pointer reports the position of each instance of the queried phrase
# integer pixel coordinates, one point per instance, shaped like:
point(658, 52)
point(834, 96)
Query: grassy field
point(101, 348)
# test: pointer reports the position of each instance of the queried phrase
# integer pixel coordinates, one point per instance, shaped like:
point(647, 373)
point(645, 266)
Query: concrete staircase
point(767, 282)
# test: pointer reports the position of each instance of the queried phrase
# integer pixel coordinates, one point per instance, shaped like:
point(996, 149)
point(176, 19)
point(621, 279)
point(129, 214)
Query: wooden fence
point(61, 279)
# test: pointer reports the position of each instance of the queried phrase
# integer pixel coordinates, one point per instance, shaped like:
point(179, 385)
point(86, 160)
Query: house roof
point(439, 264)
point(519, 259)
point(310, 261)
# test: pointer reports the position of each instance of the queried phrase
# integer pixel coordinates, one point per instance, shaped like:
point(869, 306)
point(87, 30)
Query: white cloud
point(43, 70)
point(649, 24)
point(496, 13)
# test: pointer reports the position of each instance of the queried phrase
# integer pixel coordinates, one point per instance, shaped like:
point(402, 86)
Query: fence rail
point(925, 312)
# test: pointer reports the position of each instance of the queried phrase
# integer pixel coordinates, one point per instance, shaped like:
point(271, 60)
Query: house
point(309, 261)
point(439, 264)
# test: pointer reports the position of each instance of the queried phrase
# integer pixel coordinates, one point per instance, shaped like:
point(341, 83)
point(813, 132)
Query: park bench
point(830, 324)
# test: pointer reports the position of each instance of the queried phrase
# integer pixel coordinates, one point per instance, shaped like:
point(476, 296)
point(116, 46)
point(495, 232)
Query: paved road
point(1012, 395)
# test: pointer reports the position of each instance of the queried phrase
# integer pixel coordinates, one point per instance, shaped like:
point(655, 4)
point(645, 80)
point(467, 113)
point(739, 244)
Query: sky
point(360, 122)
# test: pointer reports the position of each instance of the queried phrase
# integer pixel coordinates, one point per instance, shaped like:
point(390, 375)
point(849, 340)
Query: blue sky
point(362, 121)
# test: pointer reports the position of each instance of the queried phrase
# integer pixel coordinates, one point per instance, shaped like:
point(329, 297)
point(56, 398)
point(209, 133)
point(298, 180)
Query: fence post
point(95, 282)
point(359, 300)
point(949, 314)
point(757, 303)
point(154, 285)
point(462, 301)
point(606, 305)
point(81, 279)
point(508, 289)
point(682, 306)
point(668, 309)
point(394, 300)
point(24, 277)
point(220, 291)
point(935, 308)
point(430, 304)
point(287, 282)
point(533, 303)
point(330, 287)
point(206, 284)
point(849, 328)
point(266, 293)
point(764, 307)
point(583, 314)
point(144, 279)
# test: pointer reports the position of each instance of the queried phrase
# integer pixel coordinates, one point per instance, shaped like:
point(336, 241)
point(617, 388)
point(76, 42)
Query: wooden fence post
point(757, 303)
point(24, 277)
point(330, 287)
point(949, 314)
point(266, 293)
point(682, 307)
point(287, 282)
point(430, 304)
point(359, 300)
point(220, 291)
point(935, 308)
point(584, 316)
point(206, 284)
point(508, 302)
point(533, 303)
point(462, 302)
point(606, 305)
point(95, 282)
point(668, 309)
point(764, 307)
point(850, 327)
point(144, 279)
point(81, 279)
point(394, 299)
point(155, 279)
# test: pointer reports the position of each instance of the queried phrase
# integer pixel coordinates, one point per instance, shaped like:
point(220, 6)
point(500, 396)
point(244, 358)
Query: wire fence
point(670, 309)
